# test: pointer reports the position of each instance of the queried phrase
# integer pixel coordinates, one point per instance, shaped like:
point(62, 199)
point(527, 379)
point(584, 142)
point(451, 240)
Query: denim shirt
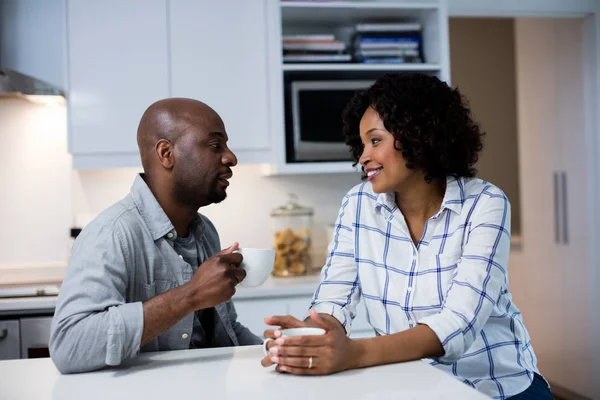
point(122, 258)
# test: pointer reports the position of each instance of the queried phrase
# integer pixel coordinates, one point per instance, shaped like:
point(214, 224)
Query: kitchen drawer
point(35, 337)
point(252, 312)
point(10, 342)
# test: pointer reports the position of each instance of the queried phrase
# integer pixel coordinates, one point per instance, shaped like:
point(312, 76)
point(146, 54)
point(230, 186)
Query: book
point(334, 46)
point(308, 37)
point(292, 57)
point(388, 27)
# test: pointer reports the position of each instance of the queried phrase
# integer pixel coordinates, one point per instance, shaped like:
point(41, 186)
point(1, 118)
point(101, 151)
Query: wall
point(35, 184)
point(483, 68)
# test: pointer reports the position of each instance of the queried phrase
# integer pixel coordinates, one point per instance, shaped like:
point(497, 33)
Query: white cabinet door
point(252, 312)
point(118, 66)
point(219, 56)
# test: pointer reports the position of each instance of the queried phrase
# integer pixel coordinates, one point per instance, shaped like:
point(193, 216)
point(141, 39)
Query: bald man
point(148, 274)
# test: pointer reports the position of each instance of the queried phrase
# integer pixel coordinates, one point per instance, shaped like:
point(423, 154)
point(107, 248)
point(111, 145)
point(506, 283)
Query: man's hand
point(215, 280)
point(316, 355)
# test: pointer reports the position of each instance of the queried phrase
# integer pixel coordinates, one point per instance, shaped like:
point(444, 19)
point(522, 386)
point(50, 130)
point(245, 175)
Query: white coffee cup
point(258, 264)
point(302, 332)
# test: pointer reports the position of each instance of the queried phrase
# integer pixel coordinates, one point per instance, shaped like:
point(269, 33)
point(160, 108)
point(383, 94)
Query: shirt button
point(184, 336)
point(170, 235)
point(180, 256)
point(409, 289)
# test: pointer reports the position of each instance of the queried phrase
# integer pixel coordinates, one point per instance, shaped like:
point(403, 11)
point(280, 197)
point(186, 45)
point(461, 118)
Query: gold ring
point(310, 362)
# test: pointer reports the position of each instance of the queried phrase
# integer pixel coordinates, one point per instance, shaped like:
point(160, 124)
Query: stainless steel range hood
point(16, 84)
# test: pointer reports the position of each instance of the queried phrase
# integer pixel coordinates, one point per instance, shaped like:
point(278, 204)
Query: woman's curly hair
point(431, 122)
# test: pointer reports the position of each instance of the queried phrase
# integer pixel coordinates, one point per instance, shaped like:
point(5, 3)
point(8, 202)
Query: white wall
point(41, 197)
point(35, 184)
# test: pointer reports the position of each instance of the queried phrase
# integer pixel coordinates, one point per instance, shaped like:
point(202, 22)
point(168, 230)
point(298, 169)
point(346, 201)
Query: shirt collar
point(453, 198)
point(152, 213)
point(455, 194)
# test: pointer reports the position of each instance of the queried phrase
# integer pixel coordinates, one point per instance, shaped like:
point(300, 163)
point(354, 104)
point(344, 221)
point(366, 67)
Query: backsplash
point(244, 215)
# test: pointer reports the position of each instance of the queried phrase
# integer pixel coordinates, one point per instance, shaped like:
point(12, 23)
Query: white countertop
point(225, 373)
point(273, 287)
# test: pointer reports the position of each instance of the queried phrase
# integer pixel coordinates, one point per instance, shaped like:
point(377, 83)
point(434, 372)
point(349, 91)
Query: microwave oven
point(313, 117)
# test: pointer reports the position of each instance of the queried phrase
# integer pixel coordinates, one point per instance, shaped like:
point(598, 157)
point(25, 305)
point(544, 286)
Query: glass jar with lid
point(292, 238)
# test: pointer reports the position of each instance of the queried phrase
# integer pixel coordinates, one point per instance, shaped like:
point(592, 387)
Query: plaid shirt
point(455, 280)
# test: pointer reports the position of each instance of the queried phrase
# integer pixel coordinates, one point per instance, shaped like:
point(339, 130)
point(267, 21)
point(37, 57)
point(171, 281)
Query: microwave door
point(316, 114)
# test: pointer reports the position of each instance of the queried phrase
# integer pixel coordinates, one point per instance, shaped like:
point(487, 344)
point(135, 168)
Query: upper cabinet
point(219, 55)
point(117, 66)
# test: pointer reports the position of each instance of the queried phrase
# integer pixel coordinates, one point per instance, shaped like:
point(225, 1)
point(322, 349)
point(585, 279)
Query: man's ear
point(164, 151)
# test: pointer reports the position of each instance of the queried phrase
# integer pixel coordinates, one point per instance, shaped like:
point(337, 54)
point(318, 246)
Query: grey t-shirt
point(203, 332)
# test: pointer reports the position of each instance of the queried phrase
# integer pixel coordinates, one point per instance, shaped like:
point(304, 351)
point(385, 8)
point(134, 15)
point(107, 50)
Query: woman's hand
point(284, 322)
point(316, 355)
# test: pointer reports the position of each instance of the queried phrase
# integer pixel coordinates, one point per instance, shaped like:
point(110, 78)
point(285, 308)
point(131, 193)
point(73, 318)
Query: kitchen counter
point(225, 373)
point(272, 288)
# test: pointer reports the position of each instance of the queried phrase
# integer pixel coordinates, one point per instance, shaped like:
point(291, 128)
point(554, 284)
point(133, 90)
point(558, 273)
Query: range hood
point(16, 84)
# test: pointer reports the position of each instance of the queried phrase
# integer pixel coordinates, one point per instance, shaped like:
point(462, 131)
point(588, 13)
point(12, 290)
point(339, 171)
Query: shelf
point(359, 67)
point(351, 12)
point(310, 168)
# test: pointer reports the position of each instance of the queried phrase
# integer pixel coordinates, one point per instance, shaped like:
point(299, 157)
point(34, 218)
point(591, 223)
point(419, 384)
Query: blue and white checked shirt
point(455, 280)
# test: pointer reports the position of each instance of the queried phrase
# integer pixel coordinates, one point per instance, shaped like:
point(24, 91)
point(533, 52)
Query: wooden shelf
point(359, 67)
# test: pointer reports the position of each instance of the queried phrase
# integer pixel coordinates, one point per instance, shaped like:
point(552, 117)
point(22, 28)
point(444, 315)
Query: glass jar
point(292, 235)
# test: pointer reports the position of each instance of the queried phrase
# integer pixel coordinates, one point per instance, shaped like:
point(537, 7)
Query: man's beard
point(216, 193)
point(212, 192)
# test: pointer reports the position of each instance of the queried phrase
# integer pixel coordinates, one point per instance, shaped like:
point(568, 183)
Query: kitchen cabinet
point(117, 56)
point(10, 340)
point(218, 54)
point(251, 313)
point(555, 201)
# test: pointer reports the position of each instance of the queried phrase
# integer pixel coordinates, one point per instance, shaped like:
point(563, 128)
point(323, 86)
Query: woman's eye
point(375, 140)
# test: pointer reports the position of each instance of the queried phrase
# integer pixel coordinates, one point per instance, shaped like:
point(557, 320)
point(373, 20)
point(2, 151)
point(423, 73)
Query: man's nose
point(229, 158)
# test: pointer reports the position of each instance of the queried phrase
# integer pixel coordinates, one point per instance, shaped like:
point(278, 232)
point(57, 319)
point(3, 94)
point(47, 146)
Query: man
point(147, 273)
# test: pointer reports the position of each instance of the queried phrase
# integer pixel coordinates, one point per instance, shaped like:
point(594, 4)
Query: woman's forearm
point(413, 344)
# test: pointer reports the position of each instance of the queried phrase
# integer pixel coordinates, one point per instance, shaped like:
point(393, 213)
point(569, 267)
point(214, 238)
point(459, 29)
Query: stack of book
point(314, 48)
point(379, 43)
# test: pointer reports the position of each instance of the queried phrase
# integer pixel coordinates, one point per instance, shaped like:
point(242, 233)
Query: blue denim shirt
point(122, 258)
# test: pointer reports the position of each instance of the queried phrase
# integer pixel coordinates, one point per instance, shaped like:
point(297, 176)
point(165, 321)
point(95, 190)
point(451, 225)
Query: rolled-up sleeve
point(93, 326)
point(339, 291)
point(480, 278)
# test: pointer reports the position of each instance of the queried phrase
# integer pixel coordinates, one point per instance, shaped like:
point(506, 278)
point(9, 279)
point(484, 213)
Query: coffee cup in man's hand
point(258, 264)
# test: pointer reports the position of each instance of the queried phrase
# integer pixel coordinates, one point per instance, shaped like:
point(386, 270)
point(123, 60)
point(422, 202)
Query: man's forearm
point(164, 311)
point(413, 344)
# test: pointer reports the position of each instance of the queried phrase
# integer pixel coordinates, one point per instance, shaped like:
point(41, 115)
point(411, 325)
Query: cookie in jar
point(292, 239)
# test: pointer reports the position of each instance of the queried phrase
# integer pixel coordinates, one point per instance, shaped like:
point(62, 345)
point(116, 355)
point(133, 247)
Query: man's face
point(203, 163)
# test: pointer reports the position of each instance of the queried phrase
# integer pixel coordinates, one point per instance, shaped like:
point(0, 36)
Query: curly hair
point(431, 122)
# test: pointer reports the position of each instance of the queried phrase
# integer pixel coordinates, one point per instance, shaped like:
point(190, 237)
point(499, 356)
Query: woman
point(424, 244)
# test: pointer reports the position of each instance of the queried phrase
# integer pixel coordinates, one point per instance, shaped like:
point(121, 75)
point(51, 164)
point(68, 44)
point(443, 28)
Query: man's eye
point(216, 146)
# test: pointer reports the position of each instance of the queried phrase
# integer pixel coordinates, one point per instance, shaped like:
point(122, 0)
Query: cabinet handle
point(564, 208)
point(3, 333)
point(556, 210)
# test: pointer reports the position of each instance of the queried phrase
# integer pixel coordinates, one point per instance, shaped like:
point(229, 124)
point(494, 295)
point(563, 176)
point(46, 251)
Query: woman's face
point(383, 164)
